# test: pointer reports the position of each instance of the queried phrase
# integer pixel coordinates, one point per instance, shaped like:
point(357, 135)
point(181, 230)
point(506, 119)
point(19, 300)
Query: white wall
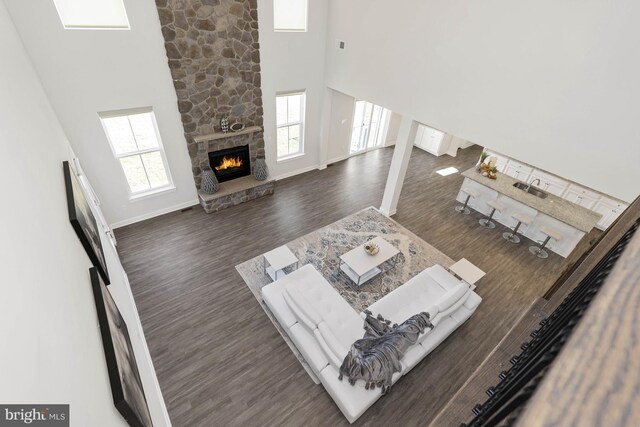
point(554, 84)
point(393, 129)
point(88, 71)
point(293, 61)
point(341, 125)
point(51, 346)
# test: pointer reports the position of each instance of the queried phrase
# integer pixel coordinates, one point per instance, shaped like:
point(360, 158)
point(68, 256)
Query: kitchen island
point(571, 220)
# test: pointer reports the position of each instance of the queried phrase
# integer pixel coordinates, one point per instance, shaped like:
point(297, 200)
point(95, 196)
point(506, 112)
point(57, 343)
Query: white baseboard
point(295, 172)
point(338, 159)
point(154, 214)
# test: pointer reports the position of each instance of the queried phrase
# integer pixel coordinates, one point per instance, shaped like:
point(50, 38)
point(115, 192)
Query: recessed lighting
point(447, 171)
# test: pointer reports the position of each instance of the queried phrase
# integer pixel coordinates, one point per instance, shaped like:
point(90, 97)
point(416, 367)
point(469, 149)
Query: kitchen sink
point(530, 189)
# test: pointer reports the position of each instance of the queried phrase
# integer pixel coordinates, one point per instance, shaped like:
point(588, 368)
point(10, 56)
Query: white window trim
point(294, 30)
point(96, 27)
point(139, 195)
point(289, 124)
point(382, 129)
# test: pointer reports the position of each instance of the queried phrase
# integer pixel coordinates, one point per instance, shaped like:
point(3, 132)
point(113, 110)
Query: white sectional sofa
point(323, 325)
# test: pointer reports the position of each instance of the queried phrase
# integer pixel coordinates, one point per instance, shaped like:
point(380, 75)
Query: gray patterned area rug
point(323, 247)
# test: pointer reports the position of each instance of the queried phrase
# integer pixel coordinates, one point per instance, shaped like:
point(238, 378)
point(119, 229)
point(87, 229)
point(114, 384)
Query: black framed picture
point(83, 222)
point(124, 377)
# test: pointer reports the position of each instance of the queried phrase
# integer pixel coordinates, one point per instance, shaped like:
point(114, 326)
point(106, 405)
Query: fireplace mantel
point(219, 135)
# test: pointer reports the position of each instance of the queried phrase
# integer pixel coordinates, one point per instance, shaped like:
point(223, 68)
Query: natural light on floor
point(447, 171)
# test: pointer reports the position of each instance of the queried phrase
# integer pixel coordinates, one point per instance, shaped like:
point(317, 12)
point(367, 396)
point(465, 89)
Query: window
point(368, 123)
point(92, 14)
point(135, 141)
point(290, 124)
point(290, 15)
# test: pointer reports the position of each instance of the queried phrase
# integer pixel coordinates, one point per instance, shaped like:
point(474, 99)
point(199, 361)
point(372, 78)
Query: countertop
point(556, 207)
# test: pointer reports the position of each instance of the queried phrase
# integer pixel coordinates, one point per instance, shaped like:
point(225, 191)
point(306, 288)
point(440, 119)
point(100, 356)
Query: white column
point(325, 128)
point(399, 165)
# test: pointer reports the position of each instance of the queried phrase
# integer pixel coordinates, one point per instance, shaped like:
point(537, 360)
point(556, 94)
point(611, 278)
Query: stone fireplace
point(214, 57)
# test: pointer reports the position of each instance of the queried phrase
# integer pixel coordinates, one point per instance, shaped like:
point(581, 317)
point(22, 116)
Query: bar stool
point(512, 236)
point(497, 206)
point(551, 233)
point(470, 192)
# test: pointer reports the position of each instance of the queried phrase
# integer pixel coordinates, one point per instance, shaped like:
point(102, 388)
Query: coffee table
point(361, 267)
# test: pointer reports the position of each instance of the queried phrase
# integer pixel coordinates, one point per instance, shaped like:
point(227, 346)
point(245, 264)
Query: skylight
point(447, 171)
point(92, 14)
point(290, 15)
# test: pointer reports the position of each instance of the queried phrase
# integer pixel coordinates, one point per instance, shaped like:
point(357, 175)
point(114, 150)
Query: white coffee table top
point(361, 262)
point(280, 258)
point(467, 271)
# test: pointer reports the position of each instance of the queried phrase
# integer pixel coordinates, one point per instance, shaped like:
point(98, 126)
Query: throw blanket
point(376, 357)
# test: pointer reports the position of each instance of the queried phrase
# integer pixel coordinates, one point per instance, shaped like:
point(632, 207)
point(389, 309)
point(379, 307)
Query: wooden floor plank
point(219, 359)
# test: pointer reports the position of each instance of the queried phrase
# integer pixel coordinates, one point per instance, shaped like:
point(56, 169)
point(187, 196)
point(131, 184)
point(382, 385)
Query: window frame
point(293, 30)
point(301, 123)
point(125, 16)
point(152, 191)
point(381, 126)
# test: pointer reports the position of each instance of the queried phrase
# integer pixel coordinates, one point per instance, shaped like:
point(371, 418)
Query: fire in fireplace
point(230, 163)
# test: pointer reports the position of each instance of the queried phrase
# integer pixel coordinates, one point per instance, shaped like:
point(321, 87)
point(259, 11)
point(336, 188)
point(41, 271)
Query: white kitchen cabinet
point(549, 183)
point(610, 210)
point(581, 196)
point(431, 140)
point(501, 161)
point(518, 170)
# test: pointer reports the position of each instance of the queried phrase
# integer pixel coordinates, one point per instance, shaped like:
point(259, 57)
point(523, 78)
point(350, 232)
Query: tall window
point(92, 14)
point(135, 141)
point(368, 123)
point(290, 15)
point(290, 124)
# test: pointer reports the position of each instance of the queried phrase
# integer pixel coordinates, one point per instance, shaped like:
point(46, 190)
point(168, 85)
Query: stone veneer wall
point(214, 57)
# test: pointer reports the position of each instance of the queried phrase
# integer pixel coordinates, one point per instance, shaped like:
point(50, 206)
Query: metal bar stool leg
point(463, 209)
point(539, 250)
point(486, 222)
point(512, 236)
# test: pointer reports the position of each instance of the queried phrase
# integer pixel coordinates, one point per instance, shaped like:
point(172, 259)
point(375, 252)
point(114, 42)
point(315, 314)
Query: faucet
point(531, 183)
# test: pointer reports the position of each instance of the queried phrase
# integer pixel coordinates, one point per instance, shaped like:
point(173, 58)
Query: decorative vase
point(224, 125)
point(260, 171)
point(209, 181)
point(237, 127)
point(371, 248)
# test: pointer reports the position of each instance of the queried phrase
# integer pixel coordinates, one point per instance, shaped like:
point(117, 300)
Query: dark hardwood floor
point(219, 359)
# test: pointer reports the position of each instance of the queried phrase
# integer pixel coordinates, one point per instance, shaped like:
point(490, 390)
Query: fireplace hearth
point(230, 163)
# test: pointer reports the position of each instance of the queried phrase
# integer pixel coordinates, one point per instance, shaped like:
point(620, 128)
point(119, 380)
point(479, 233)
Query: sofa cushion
point(336, 341)
point(445, 279)
point(272, 296)
point(452, 296)
point(298, 312)
point(439, 333)
point(412, 357)
point(308, 346)
point(297, 294)
point(473, 301)
point(332, 352)
point(354, 400)
point(417, 295)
